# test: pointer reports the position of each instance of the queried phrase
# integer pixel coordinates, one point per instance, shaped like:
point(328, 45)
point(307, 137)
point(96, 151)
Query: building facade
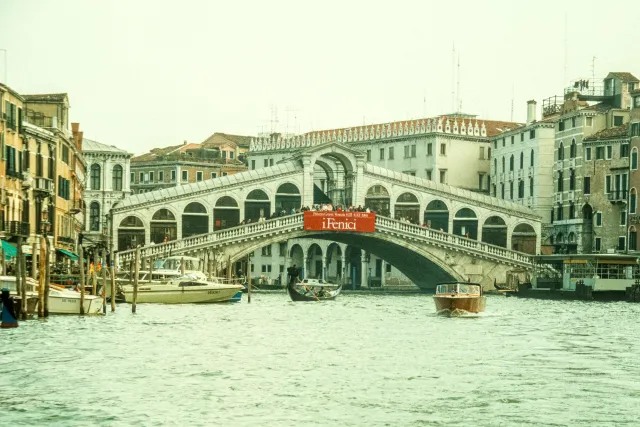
point(634, 173)
point(109, 169)
point(183, 164)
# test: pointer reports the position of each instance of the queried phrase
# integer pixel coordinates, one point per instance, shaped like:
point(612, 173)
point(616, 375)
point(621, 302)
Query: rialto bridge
point(430, 232)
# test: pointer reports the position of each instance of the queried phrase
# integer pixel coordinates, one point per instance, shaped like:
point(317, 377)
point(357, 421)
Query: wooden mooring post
point(42, 275)
point(136, 268)
point(81, 255)
point(113, 271)
point(104, 281)
point(20, 284)
point(47, 274)
point(633, 292)
point(248, 279)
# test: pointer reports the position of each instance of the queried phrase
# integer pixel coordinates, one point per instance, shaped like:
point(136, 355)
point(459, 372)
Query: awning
point(10, 251)
point(71, 255)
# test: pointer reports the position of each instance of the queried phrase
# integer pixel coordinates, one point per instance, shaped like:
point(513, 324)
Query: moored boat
point(182, 290)
point(65, 301)
point(313, 290)
point(456, 298)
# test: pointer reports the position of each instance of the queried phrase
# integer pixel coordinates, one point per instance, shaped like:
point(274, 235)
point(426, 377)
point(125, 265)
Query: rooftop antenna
point(453, 77)
point(274, 119)
point(459, 100)
point(424, 102)
point(512, 95)
point(565, 48)
point(593, 72)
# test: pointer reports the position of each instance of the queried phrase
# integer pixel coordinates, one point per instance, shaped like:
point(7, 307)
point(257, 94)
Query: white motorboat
point(61, 300)
point(186, 289)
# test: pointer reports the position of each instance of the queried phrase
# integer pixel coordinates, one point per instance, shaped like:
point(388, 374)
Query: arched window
point(511, 163)
point(572, 150)
point(117, 178)
point(634, 159)
point(633, 201)
point(503, 169)
point(495, 165)
point(521, 160)
point(561, 151)
point(95, 176)
point(94, 216)
point(572, 180)
point(531, 161)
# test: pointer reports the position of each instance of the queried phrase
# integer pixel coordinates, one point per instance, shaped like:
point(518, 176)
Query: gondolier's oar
point(308, 289)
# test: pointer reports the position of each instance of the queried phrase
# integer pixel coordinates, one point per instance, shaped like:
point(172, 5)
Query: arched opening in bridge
point(195, 220)
point(334, 263)
point(494, 231)
point(256, 205)
point(333, 172)
point(226, 213)
point(296, 258)
point(587, 228)
point(436, 215)
point(465, 223)
point(131, 233)
point(313, 265)
point(407, 207)
point(164, 226)
point(523, 239)
point(287, 198)
point(354, 257)
point(377, 200)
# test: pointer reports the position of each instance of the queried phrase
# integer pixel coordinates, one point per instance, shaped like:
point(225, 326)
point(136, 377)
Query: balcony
point(530, 201)
point(552, 105)
point(521, 173)
point(14, 173)
point(572, 163)
point(559, 165)
point(531, 171)
point(510, 175)
point(16, 228)
point(64, 239)
point(571, 196)
point(558, 197)
point(43, 185)
point(618, 196)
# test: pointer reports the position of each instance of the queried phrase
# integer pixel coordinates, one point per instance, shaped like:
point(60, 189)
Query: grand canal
point(362, 360)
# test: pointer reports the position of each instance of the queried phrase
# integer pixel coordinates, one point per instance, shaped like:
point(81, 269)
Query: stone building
point(522, 164)
point(587, 108)
point(217, 156)
point(108, 182)
point(634, 172)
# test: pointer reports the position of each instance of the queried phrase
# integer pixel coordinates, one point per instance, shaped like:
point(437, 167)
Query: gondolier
point(293, 274)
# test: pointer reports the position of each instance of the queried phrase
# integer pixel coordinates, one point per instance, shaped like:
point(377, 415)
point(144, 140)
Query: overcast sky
point(143, 74)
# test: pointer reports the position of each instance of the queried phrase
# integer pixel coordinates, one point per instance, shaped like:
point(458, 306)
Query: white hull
point(168, 294)
point(68, 303)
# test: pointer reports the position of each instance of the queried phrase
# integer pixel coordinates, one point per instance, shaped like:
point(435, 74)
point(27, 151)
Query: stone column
point(324, 268)
point(307, 182)
point(509, 238)
point(343, 273)
point(305, 260)
point(479, 238)
point(383, 279)
point(364, 274)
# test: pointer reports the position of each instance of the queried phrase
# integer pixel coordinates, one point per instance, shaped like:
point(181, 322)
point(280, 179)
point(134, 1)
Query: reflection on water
point(362, 360)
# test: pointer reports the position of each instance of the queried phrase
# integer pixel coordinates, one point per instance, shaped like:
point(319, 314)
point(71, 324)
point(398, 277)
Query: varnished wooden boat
point(312, 290)
point(456, 298)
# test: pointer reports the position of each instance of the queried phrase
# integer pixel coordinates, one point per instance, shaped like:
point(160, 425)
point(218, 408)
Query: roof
point(89, 146)
point(46, 97)
point(610, 133)
point(624, 76)
point(219, 138)
point(599, 107)
point(155, 152)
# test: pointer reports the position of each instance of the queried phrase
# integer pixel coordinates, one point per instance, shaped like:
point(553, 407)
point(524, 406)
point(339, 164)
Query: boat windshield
point(174, 263)
point(458, 288)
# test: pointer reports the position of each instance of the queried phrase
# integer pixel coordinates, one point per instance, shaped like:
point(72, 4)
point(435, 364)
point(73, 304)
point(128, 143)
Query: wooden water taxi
point(458, 297)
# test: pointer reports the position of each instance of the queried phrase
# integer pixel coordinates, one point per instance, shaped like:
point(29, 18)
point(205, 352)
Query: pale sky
point(150, 73)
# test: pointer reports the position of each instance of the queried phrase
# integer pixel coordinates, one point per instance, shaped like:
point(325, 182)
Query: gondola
point(314, 291)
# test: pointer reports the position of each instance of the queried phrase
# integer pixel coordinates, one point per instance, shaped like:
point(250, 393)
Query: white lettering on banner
point(332, 224)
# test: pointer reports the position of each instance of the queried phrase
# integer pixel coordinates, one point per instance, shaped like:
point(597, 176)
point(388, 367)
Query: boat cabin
point(459, 288)
point(602, 272)
point(175, 263)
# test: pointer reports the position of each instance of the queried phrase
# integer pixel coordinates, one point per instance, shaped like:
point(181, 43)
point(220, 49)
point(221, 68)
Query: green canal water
point(362, 360)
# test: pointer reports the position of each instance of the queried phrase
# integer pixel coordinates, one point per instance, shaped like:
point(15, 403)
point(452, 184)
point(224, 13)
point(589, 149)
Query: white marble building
point(108, 182)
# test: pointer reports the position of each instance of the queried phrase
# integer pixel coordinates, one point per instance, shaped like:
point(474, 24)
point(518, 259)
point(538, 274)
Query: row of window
point(521, 187)
point(532, 135)
point(95, 177)
point(512, 162)
point(150, 176)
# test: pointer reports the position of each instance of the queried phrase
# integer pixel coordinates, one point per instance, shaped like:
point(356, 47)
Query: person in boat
point(293, 274)
point(321, 292)
point(8, 316)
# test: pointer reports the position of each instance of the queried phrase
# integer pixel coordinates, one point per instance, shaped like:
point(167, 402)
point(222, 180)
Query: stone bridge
point(445, 233)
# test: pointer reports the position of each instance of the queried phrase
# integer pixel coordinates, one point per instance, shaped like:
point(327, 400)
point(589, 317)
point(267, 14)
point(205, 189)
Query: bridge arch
point(524, 238)
point(407, 206)
point(288, 197)
point(494, 231)
point(378, 200)
point(226, 213)
point(164, 226)
point(436, 215)
point(465, 223)
point(257, 204)
point(313, 261)
point(195, 219)
point(296, 256)
point(131, 233)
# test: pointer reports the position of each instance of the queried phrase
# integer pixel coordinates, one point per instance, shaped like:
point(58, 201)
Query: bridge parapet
point(293, 226)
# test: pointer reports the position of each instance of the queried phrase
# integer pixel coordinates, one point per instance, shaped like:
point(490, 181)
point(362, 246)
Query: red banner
point(361, 222)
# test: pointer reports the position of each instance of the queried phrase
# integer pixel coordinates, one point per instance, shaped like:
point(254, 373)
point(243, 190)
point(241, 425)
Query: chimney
point(184, 143)
point(531, 111)
point(79, 141)
point(75, 127)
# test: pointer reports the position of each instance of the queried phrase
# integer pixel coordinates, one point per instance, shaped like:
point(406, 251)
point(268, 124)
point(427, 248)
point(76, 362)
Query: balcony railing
point(558, 197)
point(572, 163)
point(617, 196)
point(13, 173)
point(64, 239)
point(16, 228)
point(43, 184)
